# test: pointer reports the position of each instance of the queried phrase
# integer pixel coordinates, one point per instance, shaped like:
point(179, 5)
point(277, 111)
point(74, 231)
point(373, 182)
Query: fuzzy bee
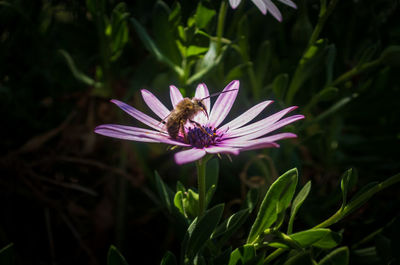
point(184, 111)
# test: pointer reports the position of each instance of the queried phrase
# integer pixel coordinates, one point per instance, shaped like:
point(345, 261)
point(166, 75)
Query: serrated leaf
point(297, 202)
point(200, 231)
point(276, 201)
point(7, 255)
point(114, 257)
point(168, 259)
point(339, 256)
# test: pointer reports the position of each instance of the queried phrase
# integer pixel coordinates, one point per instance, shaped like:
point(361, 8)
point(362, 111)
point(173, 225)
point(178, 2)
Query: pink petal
point(261, 145)
point(246, 117)
point(111, 130)
point(289, 3)
point(202, 92)
point(271, 7)
point(241, 142)
point(140, 116)
point(154, 104)
point(259, 125)
point(260, 5)
point(271, 127)
point(223, 104)
point(175, 95)
point(234, 3)
point(189, 155)
point(222, 149)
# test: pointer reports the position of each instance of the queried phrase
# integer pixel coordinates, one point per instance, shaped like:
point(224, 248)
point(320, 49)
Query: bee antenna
point(216, 94)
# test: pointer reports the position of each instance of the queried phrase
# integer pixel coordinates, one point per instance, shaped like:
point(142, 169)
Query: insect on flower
point(195, 126)
point(185, 111)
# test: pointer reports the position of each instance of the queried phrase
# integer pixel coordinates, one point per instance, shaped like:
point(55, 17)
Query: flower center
point(202, 137)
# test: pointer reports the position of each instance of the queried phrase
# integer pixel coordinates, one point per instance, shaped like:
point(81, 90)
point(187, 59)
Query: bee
point(184, 111)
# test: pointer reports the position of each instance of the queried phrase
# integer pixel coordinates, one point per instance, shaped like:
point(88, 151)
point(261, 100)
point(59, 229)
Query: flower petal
point(240, 142)
point(140, 116)
point(261, 145)
point(189, 155)
point(202, 92)
point(234, 3)
point(175, 95)
point(260, 5)
point(113, 130)
point(222, 149)
point(271, 7)
point(289, 3)
point(259, 125)
point(246, 117)
point(223, 104)
point(154, 104)
point(271, 127)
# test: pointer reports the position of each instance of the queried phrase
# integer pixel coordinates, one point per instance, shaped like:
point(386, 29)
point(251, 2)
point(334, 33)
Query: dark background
point(67, 194)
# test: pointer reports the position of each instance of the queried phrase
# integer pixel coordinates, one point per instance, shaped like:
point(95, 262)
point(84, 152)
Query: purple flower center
point(202, 137)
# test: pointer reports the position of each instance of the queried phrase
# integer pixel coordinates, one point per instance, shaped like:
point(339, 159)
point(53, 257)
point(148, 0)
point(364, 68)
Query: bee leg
point(182, 129)
point(200, 127)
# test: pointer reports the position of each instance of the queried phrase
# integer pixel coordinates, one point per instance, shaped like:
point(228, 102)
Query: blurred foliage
point(67, 194)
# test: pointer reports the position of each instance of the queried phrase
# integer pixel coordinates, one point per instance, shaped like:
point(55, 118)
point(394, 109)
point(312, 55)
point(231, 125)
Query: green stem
point(201, 183)
point(342, 212)
point(324, 13)
point(220, 26)
point(355, 71)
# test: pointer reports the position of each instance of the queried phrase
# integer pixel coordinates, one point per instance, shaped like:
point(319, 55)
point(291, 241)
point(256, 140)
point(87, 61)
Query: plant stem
point(220, 26)
point(324, 13)
point(201, 184)
point(342, 212)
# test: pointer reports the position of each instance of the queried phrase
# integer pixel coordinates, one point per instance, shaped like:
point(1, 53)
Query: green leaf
point(391, 56)
point(302, 258)
point(168, 259)
point(119, 30)
point(152, 47)
point(319, 237)
point(7, 255)
point(330, 61)
point(237, 72)
point(252, 197)
point(230, 226)
point(347, 181)
point(297, 202)
point(339, 256)
point(242, 255)
point(280, 84)
point(114, 257)
point(178, 202)
point(76, 72)
point(203, 16)
point(275, 202)
point(165, 193)
point(199, 232)
point(212, 173)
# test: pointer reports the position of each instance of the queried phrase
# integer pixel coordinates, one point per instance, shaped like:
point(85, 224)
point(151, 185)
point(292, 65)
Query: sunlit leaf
point(297, 202)
point(203, 16)
point(276, 201)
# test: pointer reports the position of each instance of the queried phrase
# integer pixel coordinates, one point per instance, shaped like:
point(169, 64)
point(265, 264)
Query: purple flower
point(206, 135)
point(266, 5)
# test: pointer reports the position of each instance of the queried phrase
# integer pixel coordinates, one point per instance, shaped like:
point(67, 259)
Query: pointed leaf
point(165, 193)
point(276, 201)
point(297, 202)
point(168, 259)
point(242, 255)
point(339, 256)
point(200, 231)
point(7, 255)
point(347, 180)
point(114, 257)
